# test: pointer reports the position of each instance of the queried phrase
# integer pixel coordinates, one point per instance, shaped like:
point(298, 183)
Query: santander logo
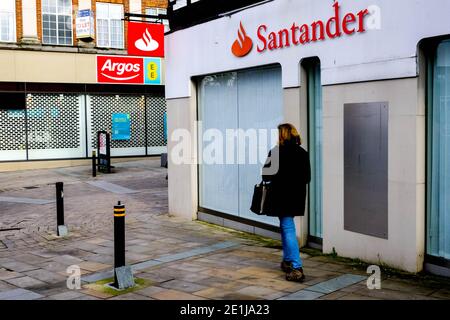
point(146, 43)
point(145, 39)
point(243, 44)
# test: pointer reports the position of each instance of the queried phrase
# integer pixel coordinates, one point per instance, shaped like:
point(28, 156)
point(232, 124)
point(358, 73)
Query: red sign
point(336, 26)
point(146, 39)
point(119, 69)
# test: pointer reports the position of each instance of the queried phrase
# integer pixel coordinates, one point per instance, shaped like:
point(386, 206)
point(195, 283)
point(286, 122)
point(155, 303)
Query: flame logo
point(146, 43)
point(243, 44)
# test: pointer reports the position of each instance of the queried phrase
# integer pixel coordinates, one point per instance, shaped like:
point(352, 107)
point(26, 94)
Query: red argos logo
point(117, 69)
point(243, 44)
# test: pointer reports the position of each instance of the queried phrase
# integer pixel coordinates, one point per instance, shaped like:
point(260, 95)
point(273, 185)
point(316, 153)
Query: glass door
point(314, 94)
point(438, 215)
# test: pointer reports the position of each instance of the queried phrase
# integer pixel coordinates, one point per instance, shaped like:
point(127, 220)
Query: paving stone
point(97, 294)
point(175, 295)
point(131, 296)
point(213, 293)
point(387, 294)
point(238, 296)
point(275, 284)
point(442, 294)
point(150, 291)
point(336, 283)
point(302, 295)
point(352, 296)
point(67, 259)
point(182, 286)
point(7, 274)
point(406, 287)
point(19, 266)
point(334, 296)
point(19, 294)
point(69, 295)
point(261, 292)
point(25, 282)
point(93, 266)
point(30, 258)
point(224, 273)
point(46, 276)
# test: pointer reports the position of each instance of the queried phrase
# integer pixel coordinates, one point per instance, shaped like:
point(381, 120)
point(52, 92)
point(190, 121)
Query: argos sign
point(338, 25)
point(128, 70)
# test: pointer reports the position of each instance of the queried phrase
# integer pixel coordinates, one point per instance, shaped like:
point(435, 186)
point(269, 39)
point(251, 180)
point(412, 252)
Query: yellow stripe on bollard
point(119, 214)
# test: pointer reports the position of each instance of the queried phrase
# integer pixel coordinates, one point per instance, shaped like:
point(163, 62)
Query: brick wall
point(39, 19)
point(125, 3)
point(154, 3)
point(19, 30)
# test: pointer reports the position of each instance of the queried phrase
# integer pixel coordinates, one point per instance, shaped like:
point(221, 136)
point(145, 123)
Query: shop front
point(53, 104)
point(368, 90)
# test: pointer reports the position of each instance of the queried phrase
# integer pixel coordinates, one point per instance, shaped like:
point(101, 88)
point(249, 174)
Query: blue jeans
point(291, 251)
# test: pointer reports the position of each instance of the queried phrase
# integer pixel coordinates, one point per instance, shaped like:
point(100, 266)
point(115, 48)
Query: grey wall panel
point(366, 168)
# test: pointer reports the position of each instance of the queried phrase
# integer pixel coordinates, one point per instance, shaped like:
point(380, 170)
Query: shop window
point(57, 22)
point(438, 217)
point(7, 21)
point(312, 69)
point(110, 27)
point(249, 101)
point(155, 12)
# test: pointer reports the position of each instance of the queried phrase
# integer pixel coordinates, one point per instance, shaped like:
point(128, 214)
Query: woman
point(288, 171)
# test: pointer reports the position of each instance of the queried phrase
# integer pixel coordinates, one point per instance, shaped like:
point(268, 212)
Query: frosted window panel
point(102, 11)
point(260, 107)
point(116, 11)
point(218, 111)
point(249, 101)
point(7, 21)
point(7, 6)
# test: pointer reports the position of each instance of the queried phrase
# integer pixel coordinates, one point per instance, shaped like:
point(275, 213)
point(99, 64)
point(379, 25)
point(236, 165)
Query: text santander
point(335, 27)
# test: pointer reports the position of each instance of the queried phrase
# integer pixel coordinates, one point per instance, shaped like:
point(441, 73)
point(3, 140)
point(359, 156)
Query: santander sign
point(301, 34)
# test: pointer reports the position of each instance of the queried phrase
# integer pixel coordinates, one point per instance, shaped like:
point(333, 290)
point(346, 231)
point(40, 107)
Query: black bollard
point(94, 164)
point(119, 239)
point(60, 228)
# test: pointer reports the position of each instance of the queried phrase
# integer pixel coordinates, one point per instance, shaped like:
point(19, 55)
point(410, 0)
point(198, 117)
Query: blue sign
point(165, 127)
point(121, 126)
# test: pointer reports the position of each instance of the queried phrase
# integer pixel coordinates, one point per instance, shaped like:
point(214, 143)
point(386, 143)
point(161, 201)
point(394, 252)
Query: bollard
point(94, 164)
point(123, 276)
point(119, 235)
point(61, 228)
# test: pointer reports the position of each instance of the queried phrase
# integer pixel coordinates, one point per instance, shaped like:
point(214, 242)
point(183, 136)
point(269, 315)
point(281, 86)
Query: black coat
point(288, 184)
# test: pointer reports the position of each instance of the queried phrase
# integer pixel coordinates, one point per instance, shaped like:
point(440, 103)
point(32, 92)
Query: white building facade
point(367, 83)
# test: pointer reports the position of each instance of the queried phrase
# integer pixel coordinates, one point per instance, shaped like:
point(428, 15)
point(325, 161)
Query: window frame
point(13, 37)
point(109, 46)
point(165, 22)
point(57, 29)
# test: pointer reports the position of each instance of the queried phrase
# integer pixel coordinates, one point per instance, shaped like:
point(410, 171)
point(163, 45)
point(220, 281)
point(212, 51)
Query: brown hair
point(288, 134)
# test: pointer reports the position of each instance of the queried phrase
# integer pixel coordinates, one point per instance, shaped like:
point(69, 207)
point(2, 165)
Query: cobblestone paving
point(183, 259)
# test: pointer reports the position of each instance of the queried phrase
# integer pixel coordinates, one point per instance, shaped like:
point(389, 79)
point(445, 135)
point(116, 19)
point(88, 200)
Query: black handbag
point(262, 198)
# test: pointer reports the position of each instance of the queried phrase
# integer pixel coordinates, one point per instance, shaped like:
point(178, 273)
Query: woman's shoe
point(286, 266)
point(295, 275)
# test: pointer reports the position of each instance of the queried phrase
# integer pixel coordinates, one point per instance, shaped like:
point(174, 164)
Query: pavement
point(177, 259)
